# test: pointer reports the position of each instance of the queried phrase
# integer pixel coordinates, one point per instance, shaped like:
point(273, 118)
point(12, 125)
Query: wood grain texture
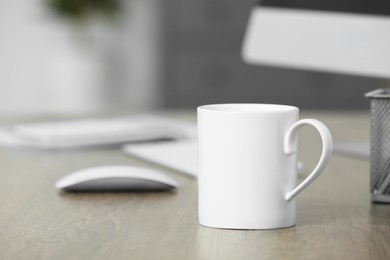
point(335, 217)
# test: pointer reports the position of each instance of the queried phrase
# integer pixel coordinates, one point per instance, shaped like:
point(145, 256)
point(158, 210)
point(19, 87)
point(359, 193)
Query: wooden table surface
point(335, 217)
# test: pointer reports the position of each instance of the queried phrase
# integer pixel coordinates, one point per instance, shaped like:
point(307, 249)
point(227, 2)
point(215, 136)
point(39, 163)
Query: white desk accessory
point(116, 178)
point(358, 150)
point(88, 132)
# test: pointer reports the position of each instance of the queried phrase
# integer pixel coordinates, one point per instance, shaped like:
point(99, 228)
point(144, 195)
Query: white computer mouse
point(116, 178)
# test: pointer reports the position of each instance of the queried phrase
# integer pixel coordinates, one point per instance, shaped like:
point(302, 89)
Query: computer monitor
point(340, 36)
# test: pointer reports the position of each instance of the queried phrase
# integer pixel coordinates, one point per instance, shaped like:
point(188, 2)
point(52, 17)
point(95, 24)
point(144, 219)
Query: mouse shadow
point(117, 195)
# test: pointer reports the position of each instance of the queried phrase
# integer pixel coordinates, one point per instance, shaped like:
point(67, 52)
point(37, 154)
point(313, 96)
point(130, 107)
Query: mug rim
point(247, 108)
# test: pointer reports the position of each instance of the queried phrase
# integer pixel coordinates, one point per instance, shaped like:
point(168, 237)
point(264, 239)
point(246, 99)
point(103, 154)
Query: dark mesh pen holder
point(380, 145)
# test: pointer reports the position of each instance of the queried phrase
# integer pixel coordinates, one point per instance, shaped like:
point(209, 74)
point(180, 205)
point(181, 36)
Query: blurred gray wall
point(43, 68)
point(133, 59)
point(160, 54)
point(51, 66)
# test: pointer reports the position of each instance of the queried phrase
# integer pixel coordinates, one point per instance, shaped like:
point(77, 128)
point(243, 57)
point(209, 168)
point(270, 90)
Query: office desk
point(335, 218)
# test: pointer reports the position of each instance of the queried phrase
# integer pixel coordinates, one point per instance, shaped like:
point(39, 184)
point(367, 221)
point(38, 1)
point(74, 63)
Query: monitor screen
point(373, 7)
point(341, 36)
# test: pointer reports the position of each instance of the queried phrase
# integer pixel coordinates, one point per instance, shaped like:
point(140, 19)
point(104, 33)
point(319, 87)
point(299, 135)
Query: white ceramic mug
point(247, 164)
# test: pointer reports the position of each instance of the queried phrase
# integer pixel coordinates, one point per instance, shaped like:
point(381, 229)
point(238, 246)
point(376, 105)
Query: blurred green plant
point(81, 10)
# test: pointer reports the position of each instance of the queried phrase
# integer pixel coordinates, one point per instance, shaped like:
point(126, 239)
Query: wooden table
point(335, 219)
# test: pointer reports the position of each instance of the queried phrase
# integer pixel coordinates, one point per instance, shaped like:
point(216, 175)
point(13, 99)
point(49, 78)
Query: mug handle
point(290, 146)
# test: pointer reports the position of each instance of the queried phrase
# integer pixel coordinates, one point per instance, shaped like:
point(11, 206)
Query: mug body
point(243, 172)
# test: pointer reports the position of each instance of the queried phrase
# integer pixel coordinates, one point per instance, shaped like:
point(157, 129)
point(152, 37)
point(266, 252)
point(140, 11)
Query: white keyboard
point(100, 131)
